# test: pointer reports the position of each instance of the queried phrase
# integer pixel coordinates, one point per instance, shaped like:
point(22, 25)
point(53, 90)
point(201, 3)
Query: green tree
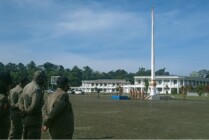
point(104, 75)
point(67, 72)
point(200, 89)
point(87, 73)
point(173, 91)
point(12, 68)
point(194, 74)
point(183, 91)
point(1, 66)
point(22, 70)
point(203, 73)
point(121, 74)
point(31, 67)
point(190, 88)
point(51, 70)
point(111, 75)
point(143, 72)
point(161, 72)
point(130, 77)
point(75, 76)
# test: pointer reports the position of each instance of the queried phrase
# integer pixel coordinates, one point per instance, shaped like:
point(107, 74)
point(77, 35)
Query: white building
point(106, 85)
point(165, 84)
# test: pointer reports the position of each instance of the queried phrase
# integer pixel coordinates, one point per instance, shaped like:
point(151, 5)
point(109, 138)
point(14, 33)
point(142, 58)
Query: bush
point(174, 91)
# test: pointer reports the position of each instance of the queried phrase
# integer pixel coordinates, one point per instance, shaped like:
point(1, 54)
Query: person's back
point(4, 117)
point(58, 115)
point(16, 129)
point(5, 84)
point(32, 98)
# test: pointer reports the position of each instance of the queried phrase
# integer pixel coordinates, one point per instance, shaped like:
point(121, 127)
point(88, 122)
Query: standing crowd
point(137, 94)
point(25, 114)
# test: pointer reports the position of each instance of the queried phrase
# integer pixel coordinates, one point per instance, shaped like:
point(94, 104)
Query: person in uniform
point(31, 104)
point(5, 85)
point(16, 128)
point(58, 113)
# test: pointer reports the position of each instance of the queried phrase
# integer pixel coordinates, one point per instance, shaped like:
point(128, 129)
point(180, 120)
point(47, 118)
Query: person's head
point(63, 83)
point(23, 81)
point(40, 77)
point(5, 82)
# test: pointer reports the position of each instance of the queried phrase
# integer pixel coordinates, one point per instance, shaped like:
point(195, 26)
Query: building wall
point(105, 85)
point(165, 84)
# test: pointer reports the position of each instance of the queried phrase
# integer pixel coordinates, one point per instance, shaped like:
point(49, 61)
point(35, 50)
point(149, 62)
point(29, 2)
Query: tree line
point(75, 74)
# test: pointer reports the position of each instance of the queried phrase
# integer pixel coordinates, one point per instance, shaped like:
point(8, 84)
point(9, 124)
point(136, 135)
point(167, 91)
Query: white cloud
point(89, 20)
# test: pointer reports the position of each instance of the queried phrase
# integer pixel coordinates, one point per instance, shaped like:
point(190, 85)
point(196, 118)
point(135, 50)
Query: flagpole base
point(154, 97)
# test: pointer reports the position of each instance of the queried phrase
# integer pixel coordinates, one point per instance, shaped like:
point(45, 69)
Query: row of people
point(30, 113)
point(137, 94)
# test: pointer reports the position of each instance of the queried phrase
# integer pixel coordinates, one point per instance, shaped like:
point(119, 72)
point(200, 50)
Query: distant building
point(54, 80)
point(165, 84)
point(105, 85)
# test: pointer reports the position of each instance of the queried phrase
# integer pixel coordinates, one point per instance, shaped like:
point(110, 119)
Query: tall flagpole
point(152, 82)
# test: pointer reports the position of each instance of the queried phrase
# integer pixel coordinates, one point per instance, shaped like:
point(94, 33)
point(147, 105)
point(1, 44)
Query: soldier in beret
point(58, 113)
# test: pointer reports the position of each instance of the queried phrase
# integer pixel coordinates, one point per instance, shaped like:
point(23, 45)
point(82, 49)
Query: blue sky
point(106, 35)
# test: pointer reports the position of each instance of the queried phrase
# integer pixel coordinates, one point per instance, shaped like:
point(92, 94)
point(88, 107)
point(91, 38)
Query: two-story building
point(165, 84)
point(105, 85)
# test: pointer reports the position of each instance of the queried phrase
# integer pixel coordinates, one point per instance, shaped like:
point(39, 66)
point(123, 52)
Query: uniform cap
point(37, 74)
point(62, 80)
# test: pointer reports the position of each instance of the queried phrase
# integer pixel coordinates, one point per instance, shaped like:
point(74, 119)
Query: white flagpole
point(152, 82)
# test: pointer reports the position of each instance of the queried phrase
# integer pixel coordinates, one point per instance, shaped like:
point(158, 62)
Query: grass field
point(104, 118)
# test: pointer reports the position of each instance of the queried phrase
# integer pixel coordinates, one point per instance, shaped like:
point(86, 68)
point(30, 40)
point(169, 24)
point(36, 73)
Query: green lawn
point(104, 118)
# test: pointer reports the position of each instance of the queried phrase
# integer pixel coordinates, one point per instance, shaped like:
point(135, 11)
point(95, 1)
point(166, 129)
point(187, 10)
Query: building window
point(181, 82)
point(160, 82)
point(159, 89)
point(166, 81)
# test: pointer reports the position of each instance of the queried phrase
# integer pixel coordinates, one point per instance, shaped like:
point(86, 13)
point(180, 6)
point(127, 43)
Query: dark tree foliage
point(88, 73)
point(1, 66)
point(161, 72)
point(76, 75)
point(143, 72)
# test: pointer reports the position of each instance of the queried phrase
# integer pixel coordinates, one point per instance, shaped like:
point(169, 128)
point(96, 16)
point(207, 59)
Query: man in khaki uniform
point(16, 128)
point(58, 113)
point(31, 103)
point(5, 85)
